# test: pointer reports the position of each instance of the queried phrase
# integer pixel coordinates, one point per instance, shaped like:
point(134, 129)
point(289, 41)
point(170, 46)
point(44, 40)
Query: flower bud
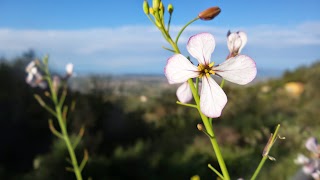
point(161, 10)
point(209, 13)
point(170, 8)
point(145, 7)
point(200, 127)
point(151, 10)
point(156, 4)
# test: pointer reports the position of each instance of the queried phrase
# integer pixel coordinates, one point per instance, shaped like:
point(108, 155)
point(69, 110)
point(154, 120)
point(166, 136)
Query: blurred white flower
point(312, 145)
point(301, 159)
point(69, 69)
point(34, 78)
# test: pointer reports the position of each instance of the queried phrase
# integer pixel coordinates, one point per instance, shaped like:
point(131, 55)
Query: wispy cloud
point(133, 49)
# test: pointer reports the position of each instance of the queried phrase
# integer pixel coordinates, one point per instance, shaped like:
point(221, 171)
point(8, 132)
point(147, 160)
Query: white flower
point(240, 69)
point(236, 42)
point(69, 69)
point(312, 145)
point(301, 159)
point(184, 93)
point(34, 78)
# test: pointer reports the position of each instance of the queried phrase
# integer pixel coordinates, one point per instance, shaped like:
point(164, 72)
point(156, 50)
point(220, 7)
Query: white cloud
point(134, 47)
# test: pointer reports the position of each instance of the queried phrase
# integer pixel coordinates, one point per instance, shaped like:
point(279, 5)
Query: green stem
point(222, 83)
point(169, 22)
point(209, 129)
point(264, 158)
point(216, 171)
point(63, 128)
point(183, 28)
point(188, 105)
point(265, 153)
point(68, 144)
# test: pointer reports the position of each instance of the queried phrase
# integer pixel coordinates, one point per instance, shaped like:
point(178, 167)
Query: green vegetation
point(136, 131)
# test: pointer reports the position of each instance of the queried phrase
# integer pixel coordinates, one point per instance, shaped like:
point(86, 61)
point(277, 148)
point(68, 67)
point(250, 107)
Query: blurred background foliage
point(136, 131)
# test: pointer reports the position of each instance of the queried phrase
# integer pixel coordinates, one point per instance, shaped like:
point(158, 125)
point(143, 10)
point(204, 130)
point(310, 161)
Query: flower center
point(205, 70)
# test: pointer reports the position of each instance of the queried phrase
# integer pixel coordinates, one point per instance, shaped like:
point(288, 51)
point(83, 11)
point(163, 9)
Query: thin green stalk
point(188, 105)
point(216, 171)
point(183, 28)
point(169, 22)
point(265, 154)
point(63, 128)
point(263, 160)
point(69, 145)
point(209, 129)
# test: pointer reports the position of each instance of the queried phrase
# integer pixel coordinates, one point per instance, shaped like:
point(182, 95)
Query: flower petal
point(312, 145)
point(179, 69)
point(234, 42)
point(31, 65)
point(201, 46)
point(184, 93)
point(29, 78)
point(244, 39)
point(240, 69)
point(301, 159)
point(212, 98)
point(69, 68)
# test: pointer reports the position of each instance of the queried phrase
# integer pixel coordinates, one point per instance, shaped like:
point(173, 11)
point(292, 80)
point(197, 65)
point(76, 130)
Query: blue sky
point(116, 37)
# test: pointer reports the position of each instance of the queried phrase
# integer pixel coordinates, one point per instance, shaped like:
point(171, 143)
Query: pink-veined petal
point(179, 69)
point(234, 42)
point(312, 145)
point(212, 98)
point(201, 46)
point(240, 69)
point(184, 93)
point(244, 39)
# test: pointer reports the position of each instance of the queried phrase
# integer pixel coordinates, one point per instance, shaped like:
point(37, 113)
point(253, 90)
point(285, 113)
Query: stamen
point(211, 64)
point(212, 72)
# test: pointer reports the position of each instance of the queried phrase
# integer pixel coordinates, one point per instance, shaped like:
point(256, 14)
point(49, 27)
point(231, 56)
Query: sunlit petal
point(301, 159)
point(179, 69)
point(29, 78)
point(240, 69)
point(212, 98)
point(312, 145)
point(244, 39)
point(184, 93)
point(69, 68)
point(30, 66)
point(201, 46)
point(234, 42)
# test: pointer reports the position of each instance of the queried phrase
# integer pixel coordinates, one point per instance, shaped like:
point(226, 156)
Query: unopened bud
point(156, 4)
point(209, 13)
point(200, 127)
point(170, 8)
point(161, 10)
point(151, 10)
point(145, 7)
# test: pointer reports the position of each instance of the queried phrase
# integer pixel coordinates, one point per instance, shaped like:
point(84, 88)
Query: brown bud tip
point(209, 13)
point(200, 127)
